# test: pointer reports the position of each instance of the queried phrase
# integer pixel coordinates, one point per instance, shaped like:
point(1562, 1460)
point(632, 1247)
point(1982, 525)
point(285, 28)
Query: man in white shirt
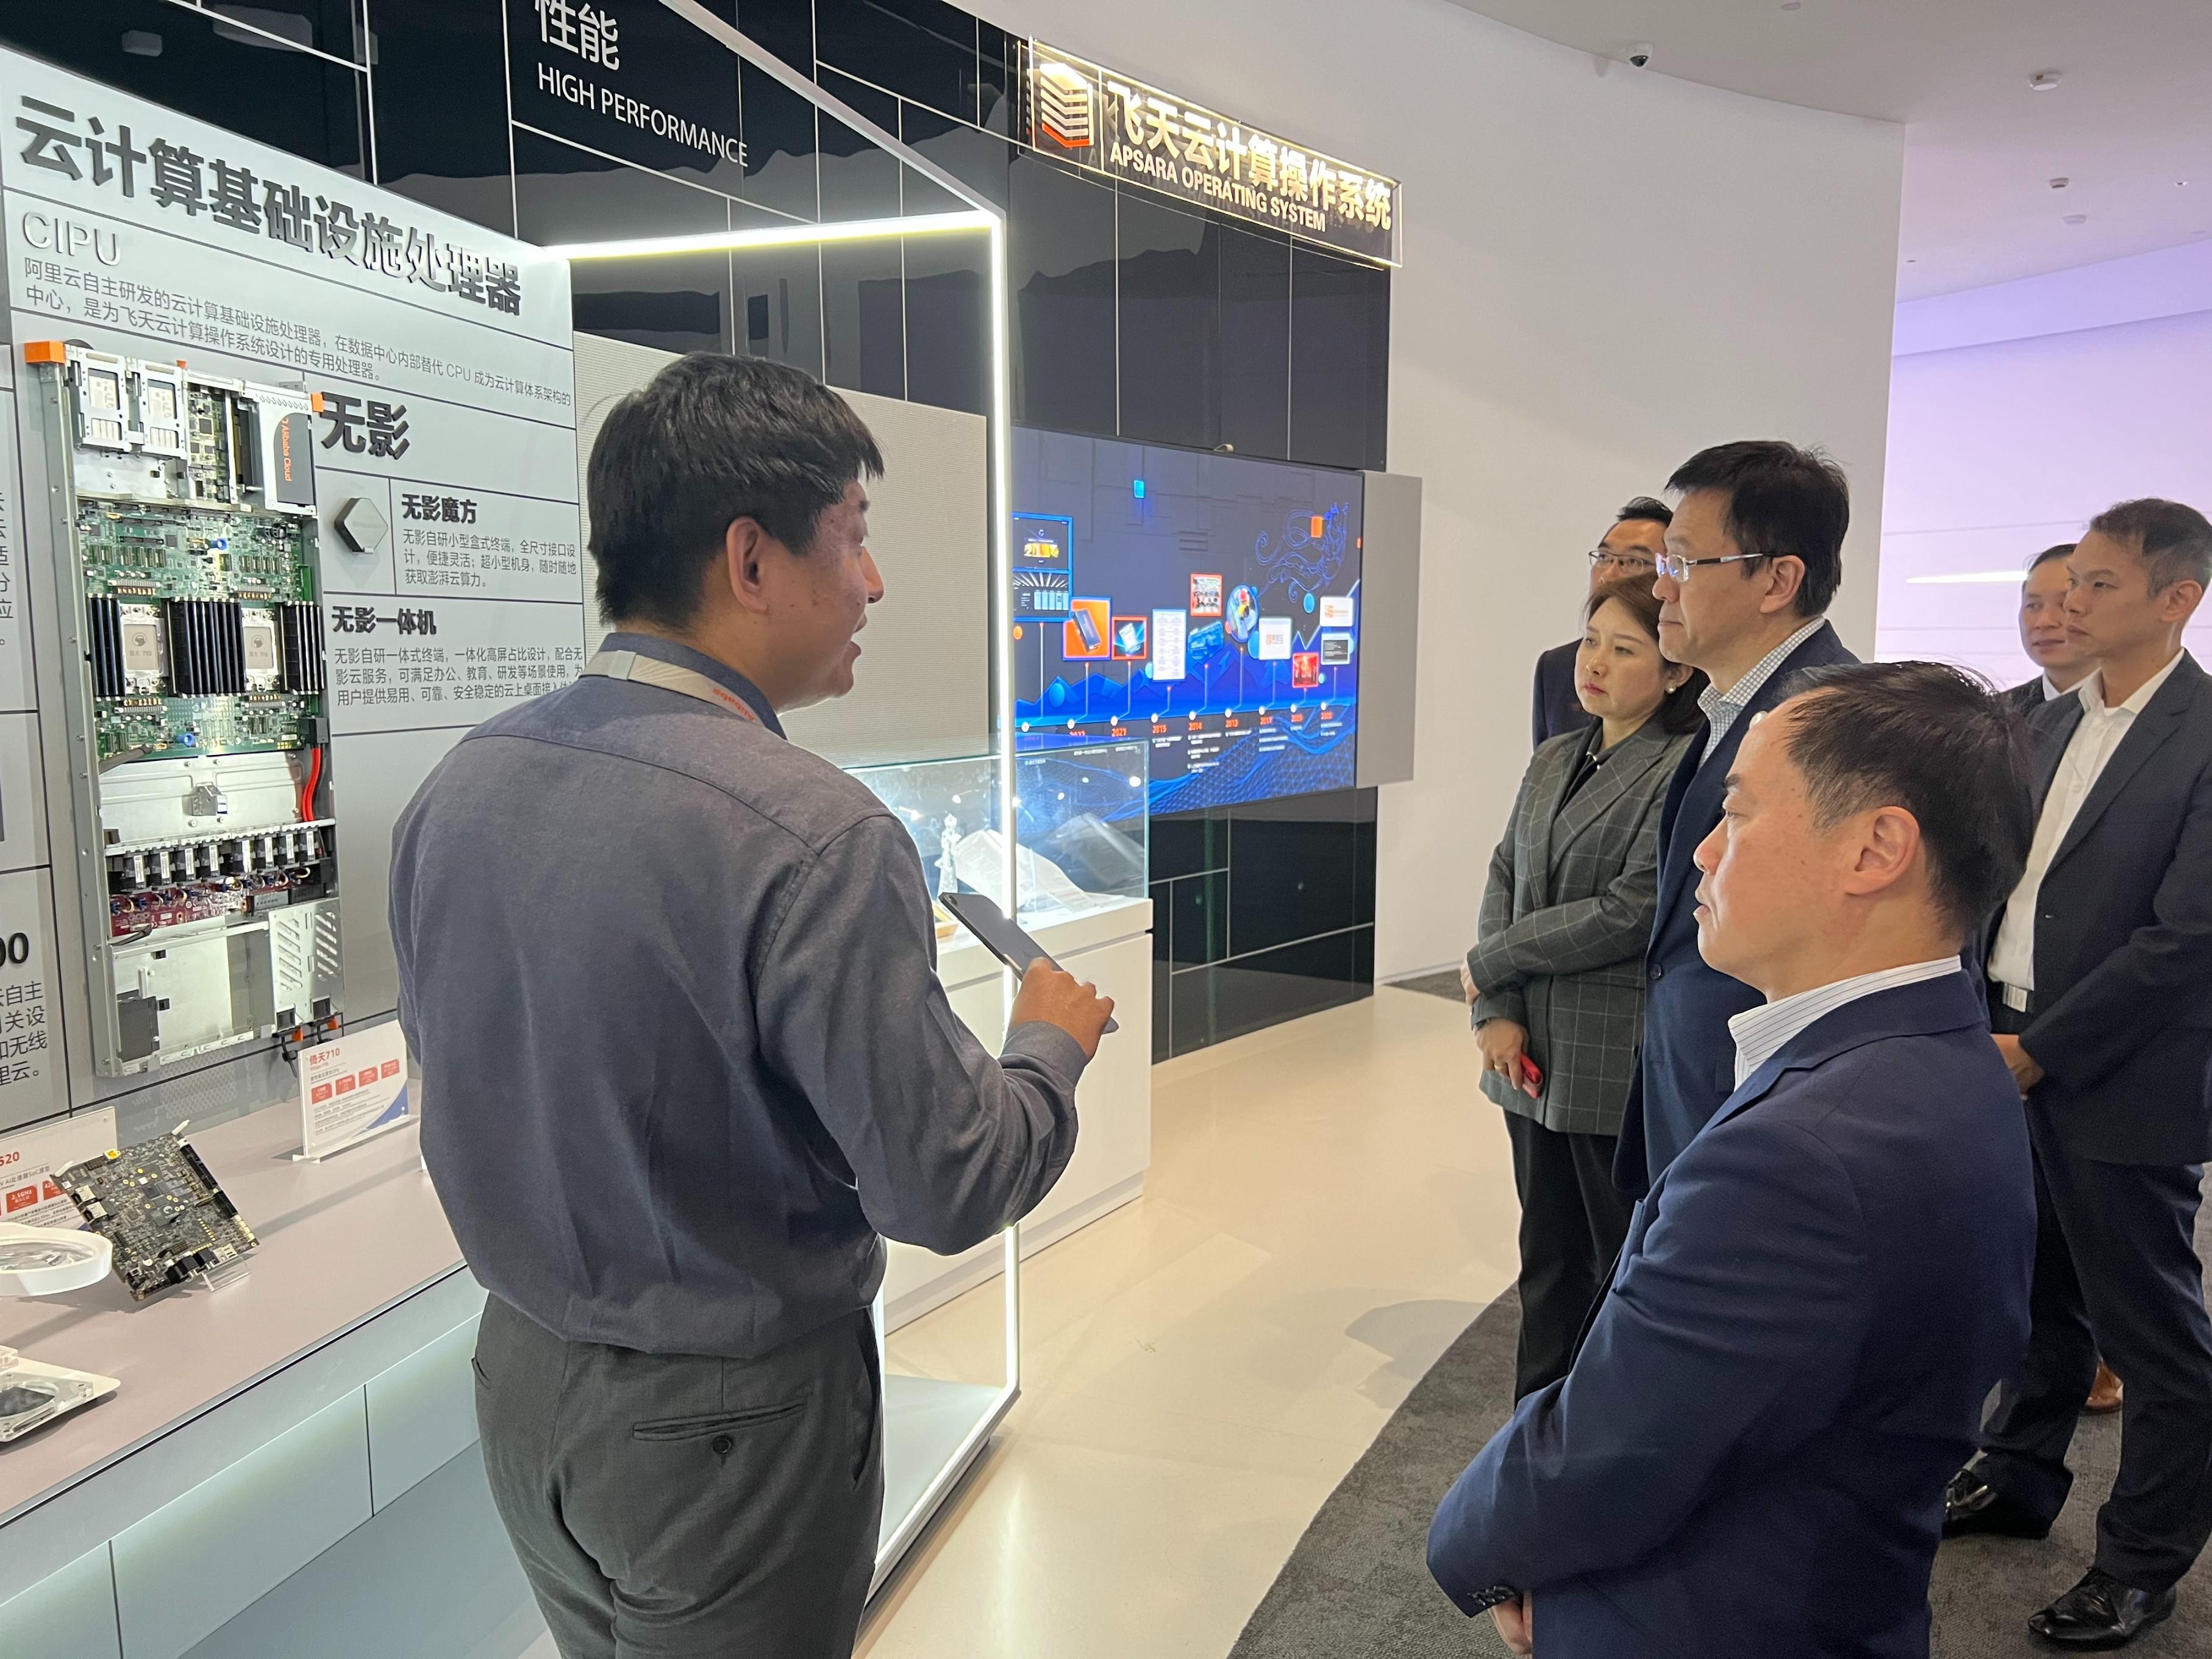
point(2045, 635)
point(1748, 1453)
point(2101, 999)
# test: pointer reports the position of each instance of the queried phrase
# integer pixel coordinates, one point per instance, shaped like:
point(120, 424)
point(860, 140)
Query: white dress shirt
point(2012, 960)
point(1760, 1032)
point(1724, 709)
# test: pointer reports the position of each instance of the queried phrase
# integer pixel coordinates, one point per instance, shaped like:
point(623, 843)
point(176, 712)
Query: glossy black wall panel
point(1061, 259)
point(859, 178)
point(1168, 289)
point(997, 55)
point(564, 194)
point(1339, 361)
point(1189, 843)
point(1290, 880)
point(786, 27)
point(1256, 342)
point(779, 305)
point(863, 323)
point(298, 103)
point(780, 144)
point(978, 159)
point(948, 322)
point(922, 50)
point(440, 103)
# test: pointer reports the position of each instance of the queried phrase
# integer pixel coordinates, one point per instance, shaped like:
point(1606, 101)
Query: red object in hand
point(1532, 1072)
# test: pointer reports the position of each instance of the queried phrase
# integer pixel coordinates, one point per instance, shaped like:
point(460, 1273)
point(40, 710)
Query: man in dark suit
point(1754, 557)
point(2050, 646)
point(1631, 548)
point(2101, 995)
point(1748, 1456)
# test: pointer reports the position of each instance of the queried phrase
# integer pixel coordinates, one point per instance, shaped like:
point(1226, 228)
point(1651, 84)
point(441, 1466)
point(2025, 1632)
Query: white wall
point(1606, 270)
point(2018, 411)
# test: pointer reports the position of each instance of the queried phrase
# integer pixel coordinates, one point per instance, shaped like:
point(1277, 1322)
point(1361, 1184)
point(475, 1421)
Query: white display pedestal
point(934, 1429)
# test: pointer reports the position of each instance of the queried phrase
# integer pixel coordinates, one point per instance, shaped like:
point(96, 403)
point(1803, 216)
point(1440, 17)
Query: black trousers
point(2116, 1270)
point(673, 1506)
point(1573, 1219)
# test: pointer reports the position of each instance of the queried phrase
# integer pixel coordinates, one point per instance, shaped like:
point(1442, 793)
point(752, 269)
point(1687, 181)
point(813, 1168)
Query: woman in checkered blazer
point(1556, 981)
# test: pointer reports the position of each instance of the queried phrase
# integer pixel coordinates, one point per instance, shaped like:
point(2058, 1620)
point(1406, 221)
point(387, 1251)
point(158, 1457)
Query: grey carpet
point(1357, 1583)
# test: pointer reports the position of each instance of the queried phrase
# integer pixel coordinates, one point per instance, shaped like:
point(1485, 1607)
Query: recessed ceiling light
point(2043, 81)
point(2060, 184)
point(1793, 5)
point(2077, 218)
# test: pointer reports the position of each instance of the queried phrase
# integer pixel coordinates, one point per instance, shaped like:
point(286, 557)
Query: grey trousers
point(668, 1506)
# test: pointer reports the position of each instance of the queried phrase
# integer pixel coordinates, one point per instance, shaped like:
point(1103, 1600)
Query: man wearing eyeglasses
point(1752, 557)
point(1631, 548)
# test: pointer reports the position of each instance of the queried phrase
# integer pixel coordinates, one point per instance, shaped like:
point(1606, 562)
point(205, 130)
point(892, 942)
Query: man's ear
point(1887, 850)
point(737, 571)
point(1786, 575)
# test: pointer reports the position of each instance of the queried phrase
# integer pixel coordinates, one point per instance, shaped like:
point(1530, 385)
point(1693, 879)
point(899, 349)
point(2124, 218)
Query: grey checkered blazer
point(1565, 919)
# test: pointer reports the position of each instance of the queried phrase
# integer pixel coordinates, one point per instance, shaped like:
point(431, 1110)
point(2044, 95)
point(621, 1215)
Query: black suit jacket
point(2124, 936)
point(1557, 707)
point(2027, 698)
point(1687, 1068)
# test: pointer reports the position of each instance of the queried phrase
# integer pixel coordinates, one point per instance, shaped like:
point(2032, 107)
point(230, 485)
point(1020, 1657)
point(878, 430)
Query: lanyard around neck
point(669, 676)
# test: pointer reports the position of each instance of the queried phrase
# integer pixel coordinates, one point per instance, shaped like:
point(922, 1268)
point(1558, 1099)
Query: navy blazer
point(1689, 1062)
point(2123, 936)
point(1555, 706)
point(1748, 1457)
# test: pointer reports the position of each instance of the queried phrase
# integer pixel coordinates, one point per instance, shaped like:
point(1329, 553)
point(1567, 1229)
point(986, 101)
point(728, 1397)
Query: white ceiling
point(2131, 115)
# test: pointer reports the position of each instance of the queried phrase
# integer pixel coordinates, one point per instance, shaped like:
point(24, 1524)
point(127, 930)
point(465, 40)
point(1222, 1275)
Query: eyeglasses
point(1605, 558)
point(1676, 568)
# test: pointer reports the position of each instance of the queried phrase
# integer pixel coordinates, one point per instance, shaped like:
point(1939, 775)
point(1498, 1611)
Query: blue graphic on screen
point(1214, 614)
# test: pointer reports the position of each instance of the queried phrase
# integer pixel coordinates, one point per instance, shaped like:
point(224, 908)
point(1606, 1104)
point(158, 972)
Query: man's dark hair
point(1781, 501)
point(1936, 741)
point(708, 440)
point(2175, 541)
point(1645, 507)
point(2058, 550)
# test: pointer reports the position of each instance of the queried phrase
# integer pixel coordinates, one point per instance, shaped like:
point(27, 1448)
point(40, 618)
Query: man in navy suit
point(1753, 558)
point(1631, 548)
point(1748, 1459)
point(2100, 982)
point(2050, 645)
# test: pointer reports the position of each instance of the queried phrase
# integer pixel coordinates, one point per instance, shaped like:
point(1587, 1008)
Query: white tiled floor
point(1330, 1204)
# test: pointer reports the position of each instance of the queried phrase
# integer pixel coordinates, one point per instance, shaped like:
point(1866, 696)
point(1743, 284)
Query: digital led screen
point(1208, 603)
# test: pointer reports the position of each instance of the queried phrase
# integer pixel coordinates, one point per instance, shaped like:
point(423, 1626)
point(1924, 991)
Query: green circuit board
point(155, 560)
point(154, 552)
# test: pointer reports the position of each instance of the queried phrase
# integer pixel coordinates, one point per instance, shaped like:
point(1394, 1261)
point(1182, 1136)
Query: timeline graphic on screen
point(1206, 604)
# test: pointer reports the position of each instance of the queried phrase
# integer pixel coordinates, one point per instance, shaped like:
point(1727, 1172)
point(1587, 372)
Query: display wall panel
point(777, 297)
point(786, 27)
point(439, 100)
point(859, 180)
point(922, 50)
point(299, 102)
point(779, 145)
point(1060, 255)
point(948, 322)
point(863, 318)
point(1168, 306)
point(1256, 342)
point(566, 194)
point(1339, 361)
point(978, 159)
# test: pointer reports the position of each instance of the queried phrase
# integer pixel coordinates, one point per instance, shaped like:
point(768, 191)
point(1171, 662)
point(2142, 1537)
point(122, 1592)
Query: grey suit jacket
point(1565, 919)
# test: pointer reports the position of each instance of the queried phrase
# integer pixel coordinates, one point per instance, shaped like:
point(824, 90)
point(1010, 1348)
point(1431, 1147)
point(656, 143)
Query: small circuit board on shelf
point(168, 1218)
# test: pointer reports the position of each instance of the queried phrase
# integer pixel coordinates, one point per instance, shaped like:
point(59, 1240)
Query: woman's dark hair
point(1681, 711)
point(1936, 741)
point(709, 440)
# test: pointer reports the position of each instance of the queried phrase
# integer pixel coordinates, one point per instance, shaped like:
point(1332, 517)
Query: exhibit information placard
point(30, 1160)
point(351, 1088)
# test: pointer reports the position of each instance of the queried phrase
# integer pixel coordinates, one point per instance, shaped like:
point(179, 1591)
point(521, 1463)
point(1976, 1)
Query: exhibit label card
point(353, 1087)
point(1170, 645)
point(30, 1160)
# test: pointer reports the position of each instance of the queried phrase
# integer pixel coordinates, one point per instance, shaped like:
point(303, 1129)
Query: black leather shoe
point(2101, 1611)
point(1970, 1506)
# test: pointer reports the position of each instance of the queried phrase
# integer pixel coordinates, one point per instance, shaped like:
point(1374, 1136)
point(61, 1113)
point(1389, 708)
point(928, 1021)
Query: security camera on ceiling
point(1640, 54)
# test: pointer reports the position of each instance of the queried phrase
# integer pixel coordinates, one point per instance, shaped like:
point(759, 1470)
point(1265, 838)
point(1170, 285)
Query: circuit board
point(203, 630)
point(166, 1215)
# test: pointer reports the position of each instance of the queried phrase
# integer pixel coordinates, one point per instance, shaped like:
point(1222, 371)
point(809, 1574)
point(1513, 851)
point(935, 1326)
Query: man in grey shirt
point(686, 1061)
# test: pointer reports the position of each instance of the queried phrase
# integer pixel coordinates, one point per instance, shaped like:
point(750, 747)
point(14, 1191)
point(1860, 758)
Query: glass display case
point(1080, 852)
point(1080, 828)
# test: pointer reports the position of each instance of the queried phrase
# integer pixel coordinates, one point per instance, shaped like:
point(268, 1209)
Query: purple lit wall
point(2016, 413)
